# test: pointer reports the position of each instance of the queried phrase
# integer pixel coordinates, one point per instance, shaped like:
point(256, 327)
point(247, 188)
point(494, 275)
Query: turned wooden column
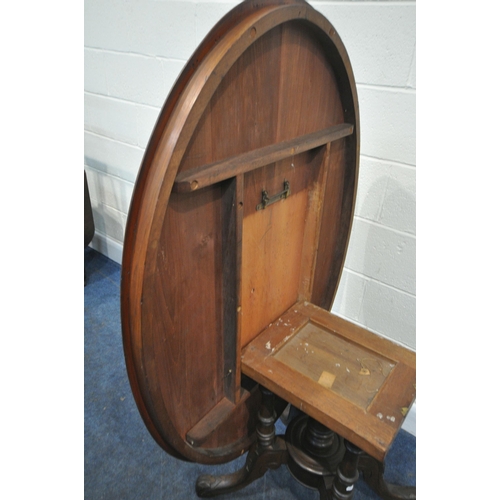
point(347, 473)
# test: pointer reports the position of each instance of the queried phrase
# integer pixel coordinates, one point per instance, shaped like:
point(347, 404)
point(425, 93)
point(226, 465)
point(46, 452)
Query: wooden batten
point(206, 175)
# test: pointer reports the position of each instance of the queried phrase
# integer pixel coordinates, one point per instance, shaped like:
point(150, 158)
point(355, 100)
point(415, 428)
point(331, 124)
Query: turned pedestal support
point(316, 456)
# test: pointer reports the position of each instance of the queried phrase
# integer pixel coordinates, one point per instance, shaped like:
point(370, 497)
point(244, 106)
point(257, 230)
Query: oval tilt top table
point(235, 243)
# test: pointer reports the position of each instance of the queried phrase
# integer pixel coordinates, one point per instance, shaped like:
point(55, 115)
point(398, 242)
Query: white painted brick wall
point(134, 51)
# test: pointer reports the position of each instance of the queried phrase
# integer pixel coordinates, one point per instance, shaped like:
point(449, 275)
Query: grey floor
point(122, 461)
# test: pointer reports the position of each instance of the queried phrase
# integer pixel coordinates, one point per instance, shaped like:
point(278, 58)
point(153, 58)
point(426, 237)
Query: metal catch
point(266, 200)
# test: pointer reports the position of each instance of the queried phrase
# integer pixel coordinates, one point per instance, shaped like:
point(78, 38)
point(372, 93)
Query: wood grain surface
point(203, 271)
point(351, 380)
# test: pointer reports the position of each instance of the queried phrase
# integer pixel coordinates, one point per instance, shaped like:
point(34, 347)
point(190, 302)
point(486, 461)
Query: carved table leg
point(373, 474)
point(269, 452)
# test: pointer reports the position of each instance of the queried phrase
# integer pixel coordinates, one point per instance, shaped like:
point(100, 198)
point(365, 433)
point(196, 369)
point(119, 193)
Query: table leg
point(269, 452)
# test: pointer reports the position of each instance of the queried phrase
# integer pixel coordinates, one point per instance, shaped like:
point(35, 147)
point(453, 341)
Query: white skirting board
point(108, 247)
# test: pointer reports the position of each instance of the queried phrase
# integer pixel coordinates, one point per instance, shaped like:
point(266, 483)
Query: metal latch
point(266, 200)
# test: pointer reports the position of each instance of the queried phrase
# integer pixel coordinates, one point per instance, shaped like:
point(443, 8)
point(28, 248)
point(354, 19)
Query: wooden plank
point(207, 175)
point(312, 228)
point(209, 423)
point(232, 226)
point(402, 388)
point(217, 417)
point(229, 287)
point(239, 202)
point(273, 240)
point(174, 359)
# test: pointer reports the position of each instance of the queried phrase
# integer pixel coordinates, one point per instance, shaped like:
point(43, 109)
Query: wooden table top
point(243, 206)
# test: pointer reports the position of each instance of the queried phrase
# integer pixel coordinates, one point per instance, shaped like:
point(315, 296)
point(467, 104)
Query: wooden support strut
point(206, 175)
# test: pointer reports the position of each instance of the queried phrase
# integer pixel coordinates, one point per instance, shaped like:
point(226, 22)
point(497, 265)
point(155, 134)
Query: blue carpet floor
point(122, 461)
